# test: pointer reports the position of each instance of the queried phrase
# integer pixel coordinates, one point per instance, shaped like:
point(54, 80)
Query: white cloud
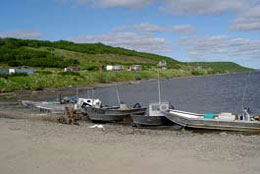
point(221, 46)
point(22, 34)
point(150, 28)
point(183, 29)
point(249, 20)
point(205, 7)
point(121, 28)
point(123, 3)
point(153, 28)
point(128, 40)
point(109, 3)
point(246, 12)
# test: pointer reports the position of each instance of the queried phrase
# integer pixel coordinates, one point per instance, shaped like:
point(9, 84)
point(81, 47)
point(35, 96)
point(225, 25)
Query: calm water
point(223, 93)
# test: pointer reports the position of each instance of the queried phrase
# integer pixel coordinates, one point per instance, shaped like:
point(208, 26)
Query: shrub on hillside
point(6, 76)
point(71, 73)
point(44, 72)
point(92, 68)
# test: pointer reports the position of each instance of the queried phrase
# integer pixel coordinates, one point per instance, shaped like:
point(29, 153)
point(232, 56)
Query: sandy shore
point(46, 147)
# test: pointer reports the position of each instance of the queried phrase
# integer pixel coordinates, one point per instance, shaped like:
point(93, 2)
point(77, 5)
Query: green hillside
point(221, 66)
point(35, 53)
point(49, 59)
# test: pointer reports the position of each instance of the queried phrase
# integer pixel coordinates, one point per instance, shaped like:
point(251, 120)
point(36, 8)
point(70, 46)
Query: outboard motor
point(245, 114)
point(171, 106)
point(97, 103)
point(137, 105)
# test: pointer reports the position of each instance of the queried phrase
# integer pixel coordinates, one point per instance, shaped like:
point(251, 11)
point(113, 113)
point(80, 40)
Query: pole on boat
point(77, 92)
point(159, 87)
point(58, 100)
point(92, 91)
point(245, 89)
point(88, 93)
point(118, 97)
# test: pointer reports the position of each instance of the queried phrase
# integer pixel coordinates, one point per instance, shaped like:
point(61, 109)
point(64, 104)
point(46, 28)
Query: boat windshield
point(155, 107)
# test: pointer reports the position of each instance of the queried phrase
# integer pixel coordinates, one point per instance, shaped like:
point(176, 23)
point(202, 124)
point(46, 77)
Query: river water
point(220, 93)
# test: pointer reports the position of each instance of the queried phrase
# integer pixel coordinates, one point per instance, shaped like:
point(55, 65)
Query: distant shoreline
point(52, 93)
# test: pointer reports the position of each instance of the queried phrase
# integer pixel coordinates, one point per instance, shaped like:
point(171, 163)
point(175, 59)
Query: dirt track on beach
point(42, 147)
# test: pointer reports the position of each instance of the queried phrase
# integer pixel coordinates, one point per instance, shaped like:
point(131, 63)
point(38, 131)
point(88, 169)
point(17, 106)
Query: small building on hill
point(13, 70)
point(4, 71)
point(71, 68)
point(134, 68)
point(114, 67)
point(27, 71)
point(162, 63)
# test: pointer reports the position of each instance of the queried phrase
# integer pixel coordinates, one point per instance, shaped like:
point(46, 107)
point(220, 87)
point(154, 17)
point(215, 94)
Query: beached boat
point(122, 112)
point(46, 106)
point(154, 117)
point(221, 121)
point(87, 102)
point(58, 106)
point(114, 113)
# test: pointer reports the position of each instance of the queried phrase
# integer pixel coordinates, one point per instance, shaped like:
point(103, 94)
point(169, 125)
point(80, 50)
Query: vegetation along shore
point(49, 59)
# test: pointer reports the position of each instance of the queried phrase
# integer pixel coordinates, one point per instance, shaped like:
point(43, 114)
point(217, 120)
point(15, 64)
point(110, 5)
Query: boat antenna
point(77, 92)
point(118, 97)
point(58, 100)
point(88, 93)
point(245, 89)
point(159, 87)
point(92, 93)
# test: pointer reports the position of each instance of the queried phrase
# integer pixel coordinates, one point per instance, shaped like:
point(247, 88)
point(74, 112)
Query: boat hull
point(140, 120)
point(49, 107)
point(245, 126)
point(112, 115)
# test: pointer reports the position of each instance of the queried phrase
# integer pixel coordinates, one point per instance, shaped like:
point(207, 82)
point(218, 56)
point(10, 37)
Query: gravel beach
point(42, 147)
point(31, 142)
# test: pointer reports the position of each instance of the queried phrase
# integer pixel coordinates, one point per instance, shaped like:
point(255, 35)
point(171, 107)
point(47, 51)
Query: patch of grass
point(220, 67)
point(70, 73)
point(44, 72)
point(6, 76)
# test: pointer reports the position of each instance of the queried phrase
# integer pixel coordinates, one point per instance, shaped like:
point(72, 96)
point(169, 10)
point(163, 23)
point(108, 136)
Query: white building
point(71, 68)
point(114, 67)
point(26, 71)
point(162, 63)
point(134, 68)
point(11, 71)
point(4, 71)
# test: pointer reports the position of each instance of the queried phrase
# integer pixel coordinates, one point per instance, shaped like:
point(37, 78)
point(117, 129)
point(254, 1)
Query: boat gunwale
point(217, 126)
point(214, 120)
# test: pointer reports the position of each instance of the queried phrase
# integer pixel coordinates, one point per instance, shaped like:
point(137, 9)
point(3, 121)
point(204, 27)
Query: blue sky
point(187, 30)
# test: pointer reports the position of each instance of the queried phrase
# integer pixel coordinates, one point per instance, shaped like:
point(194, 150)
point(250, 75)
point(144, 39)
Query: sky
point(186, 30)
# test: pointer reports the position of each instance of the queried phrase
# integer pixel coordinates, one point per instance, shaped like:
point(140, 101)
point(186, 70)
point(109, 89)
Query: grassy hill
point(63, 53)
point(49, 59)
point(221, 66)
